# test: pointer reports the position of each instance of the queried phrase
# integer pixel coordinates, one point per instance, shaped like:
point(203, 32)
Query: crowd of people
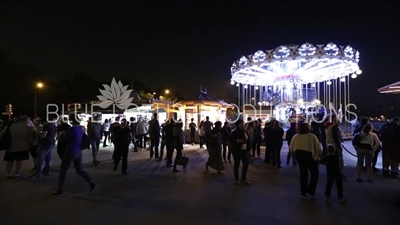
point(310, 144)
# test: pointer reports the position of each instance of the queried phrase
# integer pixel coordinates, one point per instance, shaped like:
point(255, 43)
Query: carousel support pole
point(248, 94)
point(255, 95)
point(243, 95)
point(348, 95)
point(238, 102)
point(345, 94)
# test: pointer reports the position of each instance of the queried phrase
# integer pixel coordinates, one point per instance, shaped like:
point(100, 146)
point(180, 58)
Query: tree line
point(18, 87)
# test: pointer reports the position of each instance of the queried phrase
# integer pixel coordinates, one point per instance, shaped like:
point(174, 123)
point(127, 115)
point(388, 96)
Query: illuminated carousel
point(296, 78)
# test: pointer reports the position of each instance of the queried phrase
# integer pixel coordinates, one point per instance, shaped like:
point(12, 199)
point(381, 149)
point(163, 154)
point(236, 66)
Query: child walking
point(333, 174)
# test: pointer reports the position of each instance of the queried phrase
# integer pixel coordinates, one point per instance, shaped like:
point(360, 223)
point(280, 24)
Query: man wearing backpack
point(390, 136)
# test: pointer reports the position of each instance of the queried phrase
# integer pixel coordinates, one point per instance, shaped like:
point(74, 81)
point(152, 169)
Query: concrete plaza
point(152, 194)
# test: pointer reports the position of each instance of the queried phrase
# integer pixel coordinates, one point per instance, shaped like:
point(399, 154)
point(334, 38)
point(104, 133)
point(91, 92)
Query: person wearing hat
point(238, 142)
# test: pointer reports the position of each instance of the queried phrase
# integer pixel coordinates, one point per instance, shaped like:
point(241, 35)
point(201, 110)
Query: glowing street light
point(232, 82)
point(167, 91)
point(39, 85)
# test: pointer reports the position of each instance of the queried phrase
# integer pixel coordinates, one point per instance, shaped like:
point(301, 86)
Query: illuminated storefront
point(199, 106)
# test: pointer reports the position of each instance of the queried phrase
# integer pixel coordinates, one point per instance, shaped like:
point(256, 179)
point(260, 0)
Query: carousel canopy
point(202, 98)
point(390, 89)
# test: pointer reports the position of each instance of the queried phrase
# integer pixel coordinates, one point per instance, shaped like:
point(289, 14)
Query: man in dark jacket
point(155, 133)
point(268, 142)
point(169, 140)
point(390, 137)
point(132, 126)
point(112, 126)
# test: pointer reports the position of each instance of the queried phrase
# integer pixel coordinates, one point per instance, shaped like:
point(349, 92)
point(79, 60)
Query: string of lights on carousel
point(296, 74)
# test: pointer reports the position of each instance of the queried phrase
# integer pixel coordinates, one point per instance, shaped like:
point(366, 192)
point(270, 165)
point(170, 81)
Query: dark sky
point(186, 44)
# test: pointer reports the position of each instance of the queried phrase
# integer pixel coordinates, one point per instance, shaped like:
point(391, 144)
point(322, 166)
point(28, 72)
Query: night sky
point(185, 44)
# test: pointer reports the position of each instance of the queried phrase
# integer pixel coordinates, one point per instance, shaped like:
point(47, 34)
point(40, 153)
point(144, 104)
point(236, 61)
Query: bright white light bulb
point(245, 86)
point(232, 82)
point(354, 76)
point(358, 72)
point(256, 87)
point(237, 85)
point(343, 79)
point(329, 83)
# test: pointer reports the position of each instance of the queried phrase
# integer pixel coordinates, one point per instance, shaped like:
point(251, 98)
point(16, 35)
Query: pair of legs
point(192, 136)
point(10, 164)
point(142, 140)
point(169, 144)
point(375, 159)
point(134, 142)
point(76, 159)
point(391, 156)
point(308, 166)
point(17, 158)
point(276, 154)
point(155, 142)
point(226, 149)
point(330, 180)
point(44, 159)
point(364, 154)
point(178, 155)
point(33, 152)
point(256, 147)
point(121, 152)
point(243, 156)
point(201, 141)
point(95, 143)
point(106, 137)
point(288, 157)
point(268, 148)
point(162, 146)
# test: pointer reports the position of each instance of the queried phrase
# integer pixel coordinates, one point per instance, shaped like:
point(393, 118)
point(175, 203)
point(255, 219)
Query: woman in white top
point(369, 143)
point(307, 150)
point(106, 132)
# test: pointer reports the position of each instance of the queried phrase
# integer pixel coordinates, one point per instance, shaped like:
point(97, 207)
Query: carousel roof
point(202, 98)
point(390, 89)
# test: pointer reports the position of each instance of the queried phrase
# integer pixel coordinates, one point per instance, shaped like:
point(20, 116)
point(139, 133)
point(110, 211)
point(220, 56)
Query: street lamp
point(39, 85)
point(167, 91)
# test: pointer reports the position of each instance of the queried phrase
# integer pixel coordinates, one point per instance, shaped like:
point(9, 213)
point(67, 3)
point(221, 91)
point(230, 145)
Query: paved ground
point(152, 194)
